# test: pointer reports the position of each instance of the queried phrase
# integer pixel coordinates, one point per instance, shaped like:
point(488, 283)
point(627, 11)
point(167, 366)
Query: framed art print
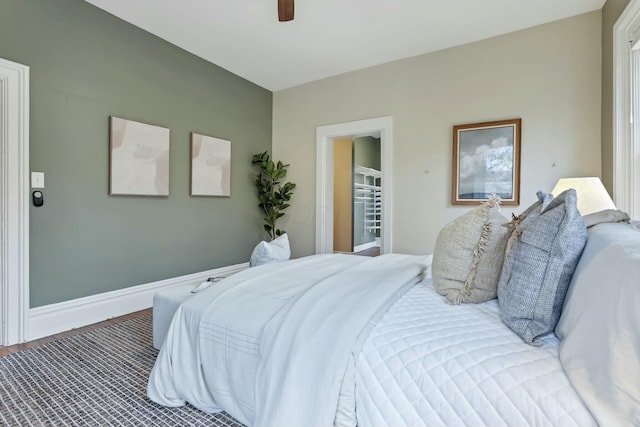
point(139, 158)
point(210, 166)
point(486, 161)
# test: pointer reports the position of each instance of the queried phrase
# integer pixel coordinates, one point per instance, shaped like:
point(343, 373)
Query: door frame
point(324, 177)
point(14, 202)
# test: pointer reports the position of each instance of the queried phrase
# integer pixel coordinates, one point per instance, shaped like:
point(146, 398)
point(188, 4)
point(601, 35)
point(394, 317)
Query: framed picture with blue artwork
point(486, 161)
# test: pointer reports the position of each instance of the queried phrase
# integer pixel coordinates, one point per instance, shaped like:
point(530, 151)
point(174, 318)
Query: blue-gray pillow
point(542, 253)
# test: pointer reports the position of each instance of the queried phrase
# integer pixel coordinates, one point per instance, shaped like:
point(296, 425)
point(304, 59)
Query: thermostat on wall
point(38, 198)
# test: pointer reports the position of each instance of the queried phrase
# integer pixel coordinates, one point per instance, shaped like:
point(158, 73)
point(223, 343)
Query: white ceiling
point(329, 37)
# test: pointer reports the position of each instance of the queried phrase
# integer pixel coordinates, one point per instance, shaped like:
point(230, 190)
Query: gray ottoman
point(165, 304)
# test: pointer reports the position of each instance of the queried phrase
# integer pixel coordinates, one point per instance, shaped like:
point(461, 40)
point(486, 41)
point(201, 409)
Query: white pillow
point(607, 215)
point(274, 251)
point(600, 325)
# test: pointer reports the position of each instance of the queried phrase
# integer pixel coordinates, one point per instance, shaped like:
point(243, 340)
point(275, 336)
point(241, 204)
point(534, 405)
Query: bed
point(344, 340)
point(242, 345)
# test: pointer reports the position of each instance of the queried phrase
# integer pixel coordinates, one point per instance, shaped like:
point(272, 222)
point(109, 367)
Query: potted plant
point(272, 194)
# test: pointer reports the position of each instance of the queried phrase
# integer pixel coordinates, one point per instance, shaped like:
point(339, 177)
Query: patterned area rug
point(96, 378)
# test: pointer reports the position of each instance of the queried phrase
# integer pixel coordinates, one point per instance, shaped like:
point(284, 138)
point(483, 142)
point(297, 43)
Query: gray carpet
point(96, 378)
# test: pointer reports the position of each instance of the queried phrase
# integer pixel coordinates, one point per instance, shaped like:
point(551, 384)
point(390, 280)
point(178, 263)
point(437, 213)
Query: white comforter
point(428, 363)
point(305, 343)
point(244, 344)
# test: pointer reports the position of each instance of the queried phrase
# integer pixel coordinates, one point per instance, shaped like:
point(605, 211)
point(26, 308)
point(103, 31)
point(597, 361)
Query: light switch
point(37, 179)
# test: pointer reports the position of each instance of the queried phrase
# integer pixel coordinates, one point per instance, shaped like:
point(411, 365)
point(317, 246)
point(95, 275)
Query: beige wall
point(550, 76)
point(610, 13)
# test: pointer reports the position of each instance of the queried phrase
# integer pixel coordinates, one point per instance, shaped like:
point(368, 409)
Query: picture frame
point(210, 166)
point(486, 161)
point(138, 158)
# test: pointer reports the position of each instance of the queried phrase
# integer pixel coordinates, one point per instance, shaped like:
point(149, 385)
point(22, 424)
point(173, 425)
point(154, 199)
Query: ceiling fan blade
point(285, 10)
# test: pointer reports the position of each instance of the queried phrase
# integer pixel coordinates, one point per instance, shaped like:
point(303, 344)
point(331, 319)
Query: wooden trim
point(14, 201)
point(4, 351)
point(624, 176)
point(324, 177)
point(55, 318)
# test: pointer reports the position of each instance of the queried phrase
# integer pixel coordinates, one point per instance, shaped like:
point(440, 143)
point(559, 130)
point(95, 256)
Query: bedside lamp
point(592, 196)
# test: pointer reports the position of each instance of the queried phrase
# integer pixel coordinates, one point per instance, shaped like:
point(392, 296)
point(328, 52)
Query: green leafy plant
point(272, 194)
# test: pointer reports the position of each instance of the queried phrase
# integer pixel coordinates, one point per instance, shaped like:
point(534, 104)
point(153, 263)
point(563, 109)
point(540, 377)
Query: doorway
point(325, 137)
point(357, 194)
point(14, 202)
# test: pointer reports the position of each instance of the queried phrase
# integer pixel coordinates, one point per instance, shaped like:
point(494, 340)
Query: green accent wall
point(366, 151)
point(86, 65)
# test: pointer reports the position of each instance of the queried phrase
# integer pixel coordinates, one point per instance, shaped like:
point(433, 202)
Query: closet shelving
point(367, 190)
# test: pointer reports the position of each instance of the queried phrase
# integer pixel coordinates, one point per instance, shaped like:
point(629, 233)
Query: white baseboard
point(365, 246)
point(64, 316)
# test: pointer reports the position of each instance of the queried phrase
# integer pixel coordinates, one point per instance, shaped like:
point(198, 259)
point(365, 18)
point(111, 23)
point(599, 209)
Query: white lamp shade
point(592, 196)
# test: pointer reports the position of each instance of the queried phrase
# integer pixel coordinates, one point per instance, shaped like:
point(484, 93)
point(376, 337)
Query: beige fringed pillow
point(469, 253)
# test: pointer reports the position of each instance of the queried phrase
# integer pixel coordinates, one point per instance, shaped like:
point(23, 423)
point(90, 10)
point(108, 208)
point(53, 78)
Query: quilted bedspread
point(428, 363)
